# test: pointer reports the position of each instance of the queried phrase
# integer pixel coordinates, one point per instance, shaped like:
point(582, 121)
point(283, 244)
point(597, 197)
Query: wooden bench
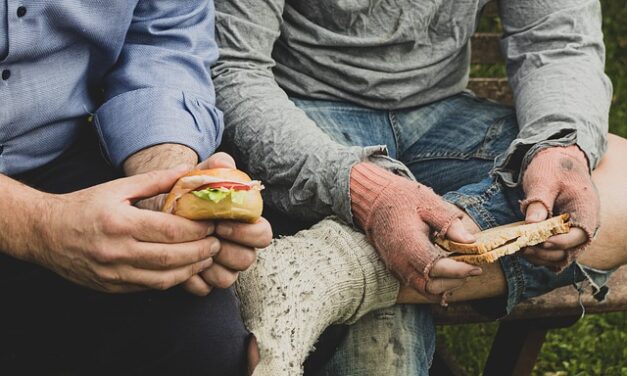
point(520, 335)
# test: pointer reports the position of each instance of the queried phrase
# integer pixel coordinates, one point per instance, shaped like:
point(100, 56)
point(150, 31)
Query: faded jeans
point(449, 145)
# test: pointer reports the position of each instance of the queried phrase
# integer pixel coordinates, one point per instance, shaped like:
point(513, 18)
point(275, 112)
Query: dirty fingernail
point(225, 229)
point(476, 271)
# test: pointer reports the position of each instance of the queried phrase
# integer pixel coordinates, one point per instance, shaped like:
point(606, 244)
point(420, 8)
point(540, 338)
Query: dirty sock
point(301, 284)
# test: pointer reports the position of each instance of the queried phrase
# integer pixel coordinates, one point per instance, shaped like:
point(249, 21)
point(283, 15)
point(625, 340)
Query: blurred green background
point(597, 344)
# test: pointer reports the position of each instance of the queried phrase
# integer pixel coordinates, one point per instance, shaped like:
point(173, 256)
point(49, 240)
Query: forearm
point(23, 211)
point(160, 157)
point(306, 172)
point(555, 58)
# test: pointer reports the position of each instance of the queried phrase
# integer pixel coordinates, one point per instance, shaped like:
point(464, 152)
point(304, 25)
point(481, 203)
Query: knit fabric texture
point(398, 216)
point(301, 284)
point(559, 178)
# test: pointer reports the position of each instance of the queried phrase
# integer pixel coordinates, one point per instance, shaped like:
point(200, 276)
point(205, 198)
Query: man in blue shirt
point(90, 92)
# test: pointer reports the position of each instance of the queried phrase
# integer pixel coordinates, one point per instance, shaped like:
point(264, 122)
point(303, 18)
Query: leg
point(400, 330)
point(47, 318)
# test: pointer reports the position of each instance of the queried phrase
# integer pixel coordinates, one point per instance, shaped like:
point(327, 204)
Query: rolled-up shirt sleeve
point(555, 61)
point(160, 90)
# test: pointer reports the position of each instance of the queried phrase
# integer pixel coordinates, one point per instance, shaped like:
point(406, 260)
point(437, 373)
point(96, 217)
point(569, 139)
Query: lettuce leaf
point(218, 194)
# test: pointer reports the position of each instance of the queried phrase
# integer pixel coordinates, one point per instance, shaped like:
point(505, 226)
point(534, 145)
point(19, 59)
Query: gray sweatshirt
point(394, 54)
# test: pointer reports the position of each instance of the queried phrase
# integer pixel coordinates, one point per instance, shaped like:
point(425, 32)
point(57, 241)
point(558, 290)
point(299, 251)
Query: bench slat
point(494, 88)
point(486, 48)
point(561, 302)
point(491, 9)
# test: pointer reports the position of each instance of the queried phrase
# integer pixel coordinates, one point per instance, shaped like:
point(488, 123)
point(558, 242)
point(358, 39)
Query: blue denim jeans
point(449, 145)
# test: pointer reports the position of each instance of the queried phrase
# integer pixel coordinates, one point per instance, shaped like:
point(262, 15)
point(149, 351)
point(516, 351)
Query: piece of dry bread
point(505, 240)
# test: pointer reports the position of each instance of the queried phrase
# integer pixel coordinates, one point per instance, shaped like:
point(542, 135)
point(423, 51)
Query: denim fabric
point(451, 146)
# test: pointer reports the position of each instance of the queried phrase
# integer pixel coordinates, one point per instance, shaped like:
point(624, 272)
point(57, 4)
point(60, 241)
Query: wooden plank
point(517, 345)
point(485, 48)
point(494, 88)
point(491, 9)
point(561, 302)
point(515, 349)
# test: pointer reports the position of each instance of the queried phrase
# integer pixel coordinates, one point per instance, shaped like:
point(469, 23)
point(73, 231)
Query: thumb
point(218, 160)
point(148, 184)
point(536, 212)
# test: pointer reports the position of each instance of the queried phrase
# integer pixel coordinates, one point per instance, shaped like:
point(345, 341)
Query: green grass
point(597, 344)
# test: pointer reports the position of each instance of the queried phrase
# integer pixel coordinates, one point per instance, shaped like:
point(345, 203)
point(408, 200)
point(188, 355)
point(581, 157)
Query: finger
point(157, 227)
point(449, 268)
point(219, 276)
point(258, 234)
point(147, 185)
point(152, 203)
point(197, 286)
point(458, 233)
point(218, 160)
point(441, 285)
point(575, 237)
point(546, 255)
point(234, 256)
point(536, 212)
point(158, 280)
point(154, 256)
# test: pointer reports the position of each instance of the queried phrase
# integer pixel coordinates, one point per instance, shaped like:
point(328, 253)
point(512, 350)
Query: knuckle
point(105, 255)
point(164, 259)
point(162, 284)
point(109, 276)
point(111, 224)
point(169, 231)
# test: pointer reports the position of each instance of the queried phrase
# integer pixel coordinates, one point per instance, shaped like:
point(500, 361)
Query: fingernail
point(210, 228)
point(207, 263)
point(548, 245)
point(224, 229)
point(476, 272)
point(215, 247)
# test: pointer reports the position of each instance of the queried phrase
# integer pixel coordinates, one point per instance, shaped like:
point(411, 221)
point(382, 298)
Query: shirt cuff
point(378, 155)
point(511, 166)
point(138, 119)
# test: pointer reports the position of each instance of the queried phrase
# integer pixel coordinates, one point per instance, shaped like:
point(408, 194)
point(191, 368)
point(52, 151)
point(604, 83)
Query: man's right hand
point(398, 216)
point(97, 238)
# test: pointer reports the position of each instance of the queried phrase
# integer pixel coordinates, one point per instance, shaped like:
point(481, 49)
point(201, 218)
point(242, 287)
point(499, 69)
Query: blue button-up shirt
point(141, 68)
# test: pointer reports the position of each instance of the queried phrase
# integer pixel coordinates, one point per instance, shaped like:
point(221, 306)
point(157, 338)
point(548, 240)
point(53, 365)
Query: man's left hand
point(558, 181)
point(238, 241)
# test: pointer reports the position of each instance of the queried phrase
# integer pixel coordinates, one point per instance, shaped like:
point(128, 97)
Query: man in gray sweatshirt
point(338, 105)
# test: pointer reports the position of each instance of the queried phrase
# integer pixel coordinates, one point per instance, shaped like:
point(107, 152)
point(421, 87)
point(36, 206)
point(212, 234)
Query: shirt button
point(6, 74)
point(21, 11)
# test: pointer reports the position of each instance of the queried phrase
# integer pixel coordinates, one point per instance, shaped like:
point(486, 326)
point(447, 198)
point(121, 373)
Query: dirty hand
point(398, 216)
point(558, 181)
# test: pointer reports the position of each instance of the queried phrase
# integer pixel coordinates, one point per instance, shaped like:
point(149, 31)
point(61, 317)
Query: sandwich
point(494, 243)
point(219, 193)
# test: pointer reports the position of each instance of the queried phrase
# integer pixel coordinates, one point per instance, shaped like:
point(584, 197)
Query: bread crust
point(505, 240)
point(182, 202)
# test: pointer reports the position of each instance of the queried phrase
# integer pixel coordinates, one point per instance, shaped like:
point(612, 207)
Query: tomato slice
point(228, 185)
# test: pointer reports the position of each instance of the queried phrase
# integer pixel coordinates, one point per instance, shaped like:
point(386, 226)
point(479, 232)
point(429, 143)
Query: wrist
point(160, 157)
point(367, 182)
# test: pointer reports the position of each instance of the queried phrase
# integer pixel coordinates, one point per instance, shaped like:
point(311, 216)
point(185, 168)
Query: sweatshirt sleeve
point(306, 172)
point(555, 62)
